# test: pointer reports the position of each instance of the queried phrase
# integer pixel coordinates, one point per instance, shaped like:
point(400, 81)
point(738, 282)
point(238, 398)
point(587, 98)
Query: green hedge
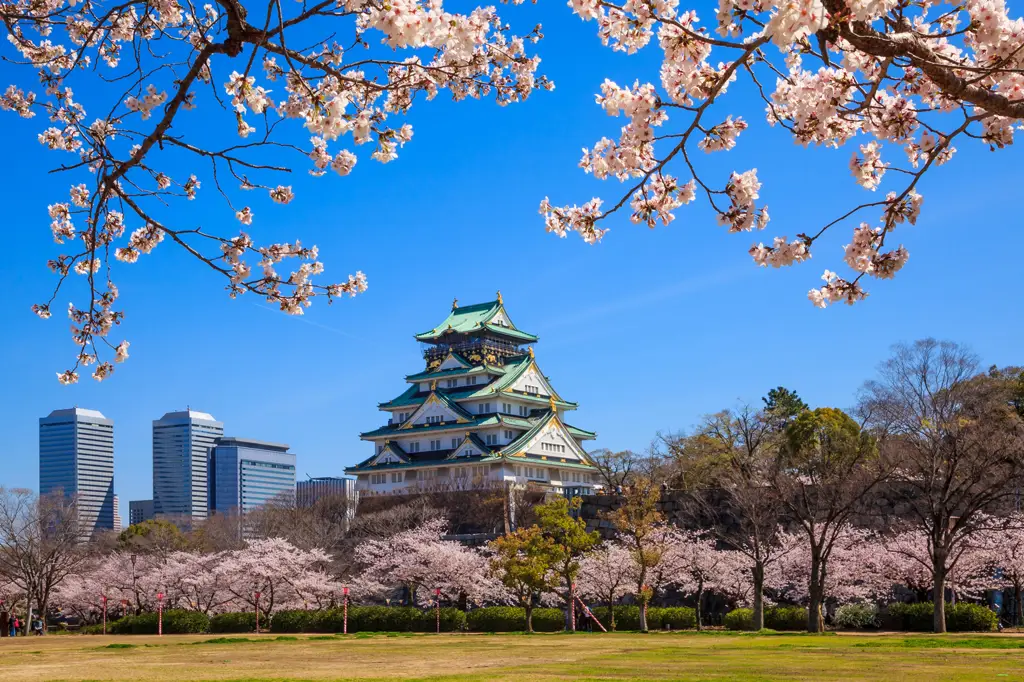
point(175, 622)
point(920, 617)
point(513, 619)
point(233, 622)
point(677, 617)
point(793, 618)
point(739, 619)
point(775, 618)
point(369, 619)
point(628, 617)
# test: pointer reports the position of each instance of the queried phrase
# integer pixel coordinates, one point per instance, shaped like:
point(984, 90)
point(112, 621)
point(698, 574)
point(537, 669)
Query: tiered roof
point(477, 319)
point(476, 340)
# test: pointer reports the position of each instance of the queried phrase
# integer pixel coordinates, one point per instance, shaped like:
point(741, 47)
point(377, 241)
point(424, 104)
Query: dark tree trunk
point(700, 598)
point(758, 618)
point(816, 593)
point(1019, 619)
point(939, 591)
point(529, 616)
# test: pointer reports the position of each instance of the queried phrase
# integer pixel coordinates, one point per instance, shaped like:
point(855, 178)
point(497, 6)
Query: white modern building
point(308, 492)
point(181, 450)
point(76, 456)
point(481, 413)
point(117, 515)
point(246, 474)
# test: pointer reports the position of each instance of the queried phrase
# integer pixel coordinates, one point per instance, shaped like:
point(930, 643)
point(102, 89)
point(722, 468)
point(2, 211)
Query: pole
point(160, 613)
point(104, 598)
point(590, 614)
point(572, 606)
point(345, 626)
point(257, 613)
point(437, 593)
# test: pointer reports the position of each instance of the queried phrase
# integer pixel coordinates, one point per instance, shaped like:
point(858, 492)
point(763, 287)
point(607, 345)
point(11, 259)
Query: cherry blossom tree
point(130, 91)
point(272, 568)
point(605, 575)
point(883, 78)
point(1008, 555)
point(703, 567)
point(191, 581)
point(968, 570)
point(420, 558)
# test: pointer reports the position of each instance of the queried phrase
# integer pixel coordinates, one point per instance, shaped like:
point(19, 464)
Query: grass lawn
point(656, 656)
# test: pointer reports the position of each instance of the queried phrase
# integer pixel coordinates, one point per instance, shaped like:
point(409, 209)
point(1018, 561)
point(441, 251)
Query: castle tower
point(481, 413)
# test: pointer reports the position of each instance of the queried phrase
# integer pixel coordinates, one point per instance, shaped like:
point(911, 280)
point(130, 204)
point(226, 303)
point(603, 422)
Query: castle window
point(508, 434)
point(414, 446)
point(471, 381)
point(435, 445)
point(396, 477)
point(452, 383)
point(532, 390)
point(506, 407)
point(434, 419)
point(455, 443)
point(491, 439)
point(523, 411)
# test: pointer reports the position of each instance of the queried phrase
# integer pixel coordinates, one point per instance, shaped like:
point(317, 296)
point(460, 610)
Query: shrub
point(395, 619)
point(857, 616)
point(233, 622)
point(293, 621)
point(628, 617)
point(785, 618)
point(912, 617)
point(176, 622)
point(513, 619)
point(676, 617)
point(970, 618)
point(739, 619)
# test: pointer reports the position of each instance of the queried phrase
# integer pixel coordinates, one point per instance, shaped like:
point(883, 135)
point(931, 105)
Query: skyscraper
point(76, 455)
point(308, 492)
point(117, 515)
point(246, 474)
point(181, 450)
point(139, 511)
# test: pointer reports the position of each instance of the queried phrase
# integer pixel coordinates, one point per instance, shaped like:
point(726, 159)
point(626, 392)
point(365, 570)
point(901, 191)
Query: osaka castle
point(481, 413)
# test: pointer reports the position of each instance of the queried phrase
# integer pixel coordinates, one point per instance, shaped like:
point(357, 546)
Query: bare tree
point(615, 468)
point(725, 466)
point(39, 543)
point(956, 442)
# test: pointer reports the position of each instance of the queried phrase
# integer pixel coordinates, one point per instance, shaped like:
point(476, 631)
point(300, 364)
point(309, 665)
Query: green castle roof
point(470, 319)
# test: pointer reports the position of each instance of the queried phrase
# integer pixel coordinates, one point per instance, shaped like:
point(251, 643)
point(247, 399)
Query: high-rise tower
point(76, 456)
point(181, 449)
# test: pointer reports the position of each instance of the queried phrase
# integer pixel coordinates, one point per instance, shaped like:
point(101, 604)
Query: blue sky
point(647, 331)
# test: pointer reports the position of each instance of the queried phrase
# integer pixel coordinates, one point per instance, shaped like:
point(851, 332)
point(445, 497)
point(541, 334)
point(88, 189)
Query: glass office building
point(246, 474)
point(76, 456)
point(181, 451)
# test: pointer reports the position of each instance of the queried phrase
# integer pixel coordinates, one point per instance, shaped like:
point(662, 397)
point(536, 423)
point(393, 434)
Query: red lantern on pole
point(437, 594)
point(257, 613)
point(103, 598)
point(345, 611)
point(160, 613)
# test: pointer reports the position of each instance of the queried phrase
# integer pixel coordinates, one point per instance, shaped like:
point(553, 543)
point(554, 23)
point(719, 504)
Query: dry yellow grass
point(625, 656)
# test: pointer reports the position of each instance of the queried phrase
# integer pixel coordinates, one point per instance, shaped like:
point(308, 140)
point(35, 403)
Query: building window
point(455, 443)
point(452, 383)
point(506, 408)
point(434, 419)
point(435, 445)
point(491, 439)
point(377, 479)
point(523, 411)
point(471, 381)
point(396, 477)
point(509, 435)
point(553, 447)
point(414, 446)
point(532, 390)
point(484, 408)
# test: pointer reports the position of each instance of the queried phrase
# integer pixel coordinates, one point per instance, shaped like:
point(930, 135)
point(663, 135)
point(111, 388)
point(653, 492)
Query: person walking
point(15, 626)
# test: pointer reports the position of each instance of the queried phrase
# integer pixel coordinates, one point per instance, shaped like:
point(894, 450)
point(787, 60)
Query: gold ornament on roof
point(499, 297)
point(530, 350)
point(551, 403)
point(455, 303)
point(433, 385)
